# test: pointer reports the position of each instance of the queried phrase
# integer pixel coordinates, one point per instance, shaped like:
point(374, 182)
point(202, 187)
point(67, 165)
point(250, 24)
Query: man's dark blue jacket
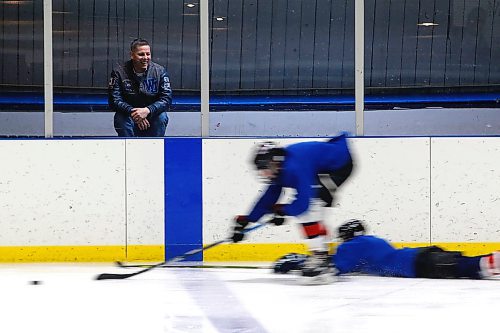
point(126, 90)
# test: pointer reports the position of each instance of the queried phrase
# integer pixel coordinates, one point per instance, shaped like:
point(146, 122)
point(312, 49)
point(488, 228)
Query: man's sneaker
point(490, 265)
point(317, 269)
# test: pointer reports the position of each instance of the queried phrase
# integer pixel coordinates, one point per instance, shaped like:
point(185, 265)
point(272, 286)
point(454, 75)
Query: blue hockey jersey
point(373, 255)
point(303, 162)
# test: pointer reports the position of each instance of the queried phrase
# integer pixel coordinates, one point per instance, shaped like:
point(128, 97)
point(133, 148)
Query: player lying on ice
point(361, 253)
point(314, 169)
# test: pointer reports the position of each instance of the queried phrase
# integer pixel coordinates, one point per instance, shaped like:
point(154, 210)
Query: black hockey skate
point(317, 269)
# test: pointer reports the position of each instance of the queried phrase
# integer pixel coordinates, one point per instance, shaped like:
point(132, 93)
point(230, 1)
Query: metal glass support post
point(204, 68)
point(48, 83)
point(359, 54)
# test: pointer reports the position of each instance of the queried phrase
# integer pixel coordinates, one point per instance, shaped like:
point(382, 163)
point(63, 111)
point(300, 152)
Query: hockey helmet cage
point(350, 229)
point(268, 152)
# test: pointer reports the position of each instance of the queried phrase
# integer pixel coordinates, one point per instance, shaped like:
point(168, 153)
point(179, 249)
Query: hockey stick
point(182, 265)
point(167, 265)
point(111, 276)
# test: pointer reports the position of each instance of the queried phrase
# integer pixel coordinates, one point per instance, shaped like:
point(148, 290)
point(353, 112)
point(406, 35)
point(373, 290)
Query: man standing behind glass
point(139, 92)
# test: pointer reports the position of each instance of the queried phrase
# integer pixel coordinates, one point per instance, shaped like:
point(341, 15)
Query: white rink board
point(62, 192)
point(466, 189)
point(230, 187)
point(145, 191)
point(389, 189)
point(111, 192)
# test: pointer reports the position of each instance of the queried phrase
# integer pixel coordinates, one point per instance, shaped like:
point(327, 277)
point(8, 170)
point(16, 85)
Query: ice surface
point(236, 300)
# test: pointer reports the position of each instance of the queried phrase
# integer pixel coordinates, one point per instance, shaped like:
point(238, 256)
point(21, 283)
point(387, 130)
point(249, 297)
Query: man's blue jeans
point(125, 126)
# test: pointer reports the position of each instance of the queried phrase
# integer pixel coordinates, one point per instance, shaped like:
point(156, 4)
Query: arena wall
point(146, 199)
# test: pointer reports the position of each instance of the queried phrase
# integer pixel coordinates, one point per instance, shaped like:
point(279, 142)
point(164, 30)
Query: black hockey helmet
point(266, 153)
point(350, 229)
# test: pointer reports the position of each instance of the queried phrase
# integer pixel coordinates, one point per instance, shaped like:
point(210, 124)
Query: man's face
point(141, 56)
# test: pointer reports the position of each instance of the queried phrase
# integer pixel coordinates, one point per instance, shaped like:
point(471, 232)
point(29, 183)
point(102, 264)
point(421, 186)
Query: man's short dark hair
point(137, 43)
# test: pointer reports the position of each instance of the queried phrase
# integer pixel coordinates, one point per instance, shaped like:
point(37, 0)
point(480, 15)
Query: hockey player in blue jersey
point(315, 170)
point(361, 253)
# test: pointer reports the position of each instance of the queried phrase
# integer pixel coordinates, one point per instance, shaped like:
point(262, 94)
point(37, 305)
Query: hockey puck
point(35, 282)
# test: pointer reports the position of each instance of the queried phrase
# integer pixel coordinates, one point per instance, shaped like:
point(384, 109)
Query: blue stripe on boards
point(13, 98)
point(183, 196)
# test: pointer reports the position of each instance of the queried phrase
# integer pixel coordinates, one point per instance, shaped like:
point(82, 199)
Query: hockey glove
point(279, 214)
point(241, 222)
point(289, 262)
